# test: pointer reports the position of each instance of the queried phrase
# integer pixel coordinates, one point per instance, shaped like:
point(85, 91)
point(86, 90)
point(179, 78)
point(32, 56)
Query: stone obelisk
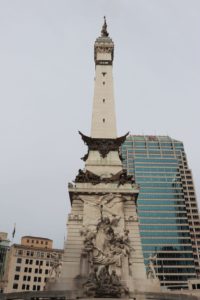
point(102, 255)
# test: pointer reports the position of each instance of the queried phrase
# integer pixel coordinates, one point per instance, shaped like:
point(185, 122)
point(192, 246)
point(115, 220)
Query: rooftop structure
point(39, 242)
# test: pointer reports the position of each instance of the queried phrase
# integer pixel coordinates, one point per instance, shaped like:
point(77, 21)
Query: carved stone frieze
point(105, 246)
point(70, 185)
point(131, 218)
point(103, 49)
point(85, 157)
point(121, 178)
point(104, 146)
point(103, 284)
point(87, 176)
point(72, 217)
point(103, 62)
point(107, 251)
point(55, 271)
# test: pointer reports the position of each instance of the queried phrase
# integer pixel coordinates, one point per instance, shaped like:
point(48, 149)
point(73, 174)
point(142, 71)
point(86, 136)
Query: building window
point(19, 252)
point(30, 270)
point(25, 269)
point(34, 287)
point(37, 262)
point(103, 82)
point(35, 279)
point(29, 278)
point(38, 288)
point(36, 271)
point(42, 242)
point(104, 100)
point(46, 271)
point(46, 243)
point(27, 287)
point(104, 120)
point(17, 269)
point(41, 263)
point(27, 241)
point(26, 261)
point(19, 260)
point(194, 286)
point(16, 277)
point(23, 286)
point(37, 242)
point(24, 278)
point(15, 286)
point(39, 279)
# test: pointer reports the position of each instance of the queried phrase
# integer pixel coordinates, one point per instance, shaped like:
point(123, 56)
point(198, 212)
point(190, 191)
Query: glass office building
point(167, 206)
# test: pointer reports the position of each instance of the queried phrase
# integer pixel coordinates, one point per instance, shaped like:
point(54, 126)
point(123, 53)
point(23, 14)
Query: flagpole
point(13, 233)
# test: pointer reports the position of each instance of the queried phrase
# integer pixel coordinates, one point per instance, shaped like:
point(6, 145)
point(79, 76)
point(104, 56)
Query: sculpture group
point(102, 283)
point(107, 248)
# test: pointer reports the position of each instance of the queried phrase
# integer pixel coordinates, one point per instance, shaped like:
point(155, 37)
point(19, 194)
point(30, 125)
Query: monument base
point(73, 295)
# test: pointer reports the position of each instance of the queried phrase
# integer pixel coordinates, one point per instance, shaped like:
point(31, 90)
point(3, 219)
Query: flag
point(14, 229)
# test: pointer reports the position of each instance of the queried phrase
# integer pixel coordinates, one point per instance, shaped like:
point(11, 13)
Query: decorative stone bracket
point(121, 178)
point(104, 146)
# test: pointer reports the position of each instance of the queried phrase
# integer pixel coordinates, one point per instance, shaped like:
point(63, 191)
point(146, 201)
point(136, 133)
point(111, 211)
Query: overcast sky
point(46, 89)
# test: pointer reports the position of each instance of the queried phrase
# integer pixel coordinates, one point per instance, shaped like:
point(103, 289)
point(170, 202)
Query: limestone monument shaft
point(103, 255)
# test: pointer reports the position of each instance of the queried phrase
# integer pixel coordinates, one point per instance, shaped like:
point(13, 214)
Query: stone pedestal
point(103, 232)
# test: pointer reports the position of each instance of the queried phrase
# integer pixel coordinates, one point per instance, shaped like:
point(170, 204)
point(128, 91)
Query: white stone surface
point(103, 113)
point(104, 167)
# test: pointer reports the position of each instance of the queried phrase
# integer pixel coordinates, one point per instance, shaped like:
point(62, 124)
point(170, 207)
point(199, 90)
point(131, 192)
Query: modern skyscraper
point(167, 206)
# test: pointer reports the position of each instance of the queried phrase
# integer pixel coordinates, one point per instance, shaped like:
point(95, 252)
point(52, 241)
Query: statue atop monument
point(104, 31)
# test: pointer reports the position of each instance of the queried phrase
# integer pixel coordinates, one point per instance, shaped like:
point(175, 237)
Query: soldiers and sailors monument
point(103, 255)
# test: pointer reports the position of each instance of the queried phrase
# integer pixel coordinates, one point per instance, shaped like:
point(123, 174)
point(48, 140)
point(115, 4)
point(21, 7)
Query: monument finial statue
point(104, 32)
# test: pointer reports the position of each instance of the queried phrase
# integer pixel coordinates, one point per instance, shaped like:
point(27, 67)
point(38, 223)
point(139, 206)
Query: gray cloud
point(46, 75)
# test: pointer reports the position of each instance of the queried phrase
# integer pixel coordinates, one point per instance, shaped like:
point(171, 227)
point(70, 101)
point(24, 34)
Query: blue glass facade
point(159, 167)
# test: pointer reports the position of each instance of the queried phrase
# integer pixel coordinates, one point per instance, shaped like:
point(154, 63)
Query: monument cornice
point(103, 145)
point(127, 190)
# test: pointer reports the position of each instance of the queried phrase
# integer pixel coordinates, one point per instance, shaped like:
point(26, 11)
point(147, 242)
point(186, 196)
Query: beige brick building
point(4, 250)
point(30, 264)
